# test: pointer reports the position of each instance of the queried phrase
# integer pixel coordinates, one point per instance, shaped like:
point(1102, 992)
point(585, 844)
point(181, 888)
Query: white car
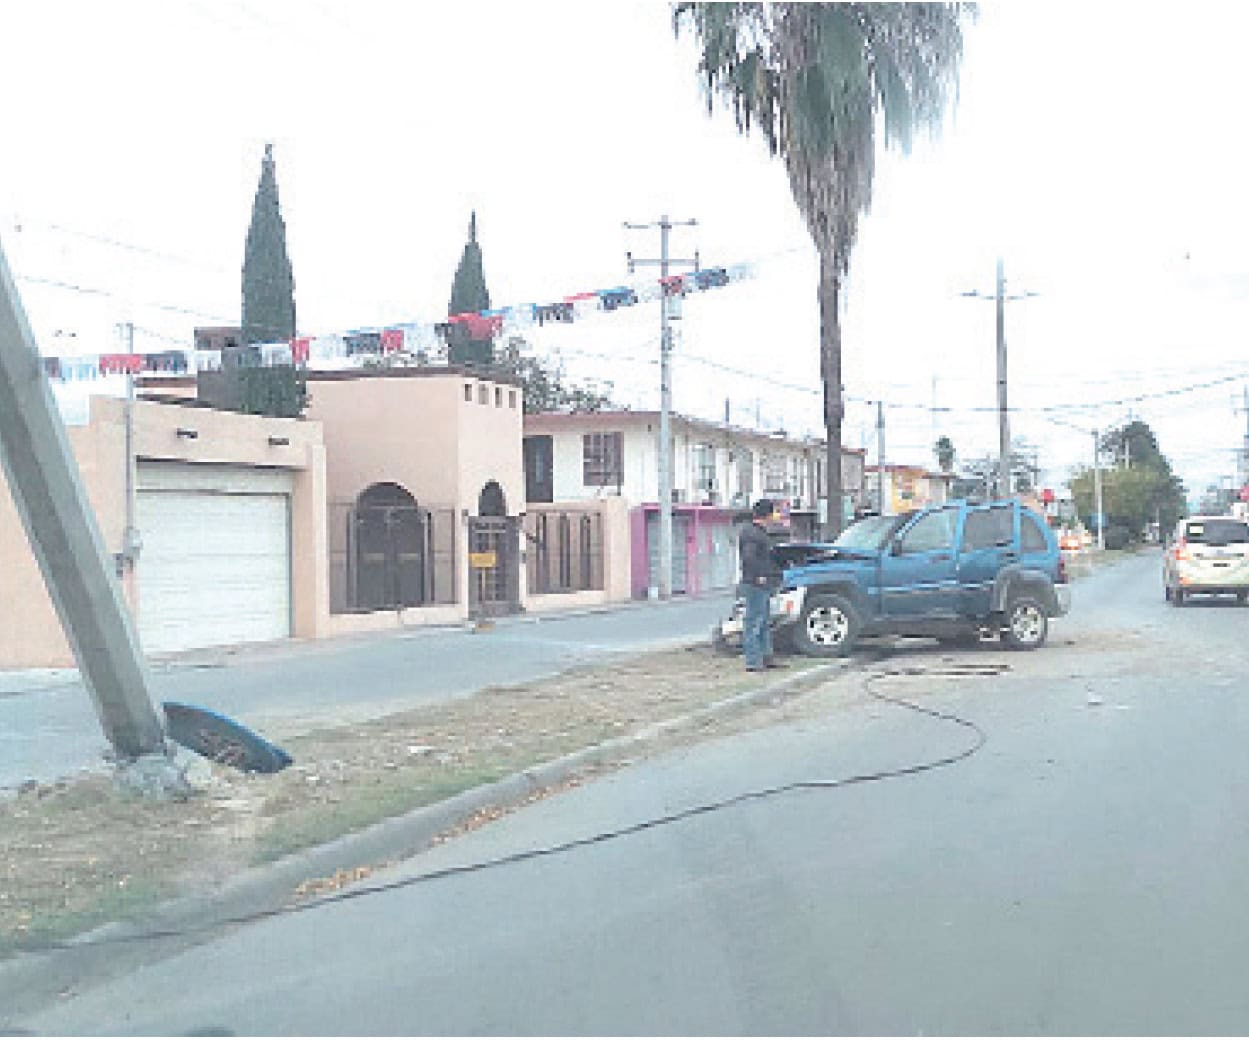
point(1207, 555)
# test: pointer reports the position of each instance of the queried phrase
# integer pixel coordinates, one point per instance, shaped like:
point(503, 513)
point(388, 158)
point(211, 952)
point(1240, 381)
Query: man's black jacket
point(755, 550)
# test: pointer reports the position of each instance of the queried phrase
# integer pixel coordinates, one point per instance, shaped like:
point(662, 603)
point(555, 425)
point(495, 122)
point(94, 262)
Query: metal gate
point(565, 551)
point(390, 557)
point(494, 572)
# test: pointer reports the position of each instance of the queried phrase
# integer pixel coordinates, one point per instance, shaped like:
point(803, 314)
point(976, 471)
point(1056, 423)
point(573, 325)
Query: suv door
point(918, 567)
point(988, 545)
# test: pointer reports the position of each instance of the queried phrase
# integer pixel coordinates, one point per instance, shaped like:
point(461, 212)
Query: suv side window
point(986, 528)
point(1031, 537)
point(931, 533)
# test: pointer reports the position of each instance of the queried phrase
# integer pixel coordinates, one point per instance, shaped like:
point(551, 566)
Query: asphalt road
point(1083, 872)
point(50, 731)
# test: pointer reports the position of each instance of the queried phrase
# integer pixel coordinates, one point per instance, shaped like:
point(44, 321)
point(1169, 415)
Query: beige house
point(397, 501)
point(228, 510)
point(426, 505)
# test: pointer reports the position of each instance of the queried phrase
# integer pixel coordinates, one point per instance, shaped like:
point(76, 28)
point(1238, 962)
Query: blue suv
point(953, 572)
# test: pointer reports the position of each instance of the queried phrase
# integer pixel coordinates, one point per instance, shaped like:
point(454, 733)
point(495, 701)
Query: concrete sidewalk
point(16, 681)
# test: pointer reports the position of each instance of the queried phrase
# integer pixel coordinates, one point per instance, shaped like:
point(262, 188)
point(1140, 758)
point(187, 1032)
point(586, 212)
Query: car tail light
point(1181, 549)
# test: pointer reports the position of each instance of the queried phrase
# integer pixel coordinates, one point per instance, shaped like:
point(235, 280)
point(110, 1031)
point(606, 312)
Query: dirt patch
point(76, 854)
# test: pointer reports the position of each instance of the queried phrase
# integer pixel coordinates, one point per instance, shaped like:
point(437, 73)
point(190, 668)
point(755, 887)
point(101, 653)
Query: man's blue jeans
point(756, 627)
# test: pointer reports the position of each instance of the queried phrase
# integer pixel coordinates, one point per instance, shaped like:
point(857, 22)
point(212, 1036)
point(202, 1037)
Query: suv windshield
point(870, 533)
point(1216, 532)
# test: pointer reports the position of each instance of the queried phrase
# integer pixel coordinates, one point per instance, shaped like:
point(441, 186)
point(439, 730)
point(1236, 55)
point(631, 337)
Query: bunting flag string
point(419, 340)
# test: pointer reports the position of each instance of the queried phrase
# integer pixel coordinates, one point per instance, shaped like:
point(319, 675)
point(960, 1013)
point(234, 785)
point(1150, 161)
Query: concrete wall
point(30, 632)
point(617, 555)
point(489, 436)
point(380, 430)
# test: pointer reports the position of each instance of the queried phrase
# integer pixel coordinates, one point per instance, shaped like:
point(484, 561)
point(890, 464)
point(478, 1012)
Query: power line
point(87, 290)
point(20, 224)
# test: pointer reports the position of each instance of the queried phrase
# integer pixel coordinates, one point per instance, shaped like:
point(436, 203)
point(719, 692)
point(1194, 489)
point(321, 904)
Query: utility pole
point(1097, 491)
point(1242, 468)
point(880, 456)
point(665, 389)
point(67, 544)
point(1003, 416)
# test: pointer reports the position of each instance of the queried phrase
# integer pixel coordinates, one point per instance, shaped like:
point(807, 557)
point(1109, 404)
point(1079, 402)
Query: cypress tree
point(469, 295)
point(268, 284)
point(268, 309)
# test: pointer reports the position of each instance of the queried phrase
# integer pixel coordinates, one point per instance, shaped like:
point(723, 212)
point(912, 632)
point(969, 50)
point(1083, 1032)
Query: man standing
point(760, 577)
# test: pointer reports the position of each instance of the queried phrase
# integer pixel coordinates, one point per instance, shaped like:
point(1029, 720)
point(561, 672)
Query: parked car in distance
point(951, 571)
point(1207, 555)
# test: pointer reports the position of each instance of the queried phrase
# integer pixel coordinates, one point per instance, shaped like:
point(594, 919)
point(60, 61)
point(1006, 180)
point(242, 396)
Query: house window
point(468, 392)
point(774, 470)
point(511, 399)
point(745, 472)
point(602, 459)
point(705, 469)
point(498, 397)
point(483, 395)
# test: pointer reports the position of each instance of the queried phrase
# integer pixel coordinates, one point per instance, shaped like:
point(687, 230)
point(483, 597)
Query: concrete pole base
point(156, 777)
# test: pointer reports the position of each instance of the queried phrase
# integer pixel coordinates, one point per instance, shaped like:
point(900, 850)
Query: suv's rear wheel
point(1026, 624)
point(1177, 597)
point(828, 627)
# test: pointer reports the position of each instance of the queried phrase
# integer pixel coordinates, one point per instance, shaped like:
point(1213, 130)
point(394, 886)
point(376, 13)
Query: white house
point(718, 470)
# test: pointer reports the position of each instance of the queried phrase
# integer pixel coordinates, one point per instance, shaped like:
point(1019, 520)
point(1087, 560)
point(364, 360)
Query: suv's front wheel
point(828, 626)
point(1026, 624)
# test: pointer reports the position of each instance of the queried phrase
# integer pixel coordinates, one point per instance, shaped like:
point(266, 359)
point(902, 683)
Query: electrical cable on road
point(871, 677)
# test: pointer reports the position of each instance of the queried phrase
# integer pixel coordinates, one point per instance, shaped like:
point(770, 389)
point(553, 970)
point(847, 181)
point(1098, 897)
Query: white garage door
point(214, 569)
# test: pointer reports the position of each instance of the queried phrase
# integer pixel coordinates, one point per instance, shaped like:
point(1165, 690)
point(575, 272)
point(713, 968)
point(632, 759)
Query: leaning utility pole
point(1003, 416)
point(665, 389)
point(66, 540)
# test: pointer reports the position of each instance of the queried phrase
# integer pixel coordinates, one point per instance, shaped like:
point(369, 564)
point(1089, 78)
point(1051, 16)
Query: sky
point(1092, 147)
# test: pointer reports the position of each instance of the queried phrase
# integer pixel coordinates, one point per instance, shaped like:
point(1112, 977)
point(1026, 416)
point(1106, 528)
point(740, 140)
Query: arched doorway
point(494, 558)
point(389, 555)
point(492, 501)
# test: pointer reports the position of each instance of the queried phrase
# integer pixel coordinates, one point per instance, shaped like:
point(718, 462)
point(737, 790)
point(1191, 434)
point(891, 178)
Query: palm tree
point(815, 78)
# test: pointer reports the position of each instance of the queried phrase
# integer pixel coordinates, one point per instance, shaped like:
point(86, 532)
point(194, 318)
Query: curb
point(29, 981)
